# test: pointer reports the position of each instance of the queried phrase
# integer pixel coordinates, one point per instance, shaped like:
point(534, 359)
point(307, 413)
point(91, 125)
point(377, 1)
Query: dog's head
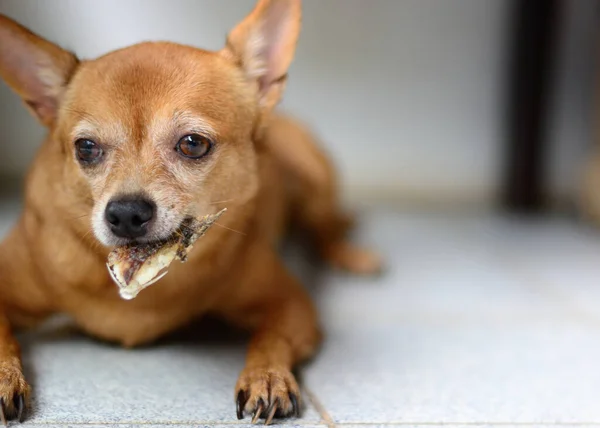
point(157, 132)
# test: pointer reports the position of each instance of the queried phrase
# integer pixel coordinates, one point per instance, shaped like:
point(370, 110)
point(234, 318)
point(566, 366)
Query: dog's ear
point(37, 70)
point(263, 44)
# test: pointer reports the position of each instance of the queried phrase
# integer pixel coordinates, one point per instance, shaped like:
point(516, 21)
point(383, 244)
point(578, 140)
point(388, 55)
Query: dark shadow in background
point(535, 27)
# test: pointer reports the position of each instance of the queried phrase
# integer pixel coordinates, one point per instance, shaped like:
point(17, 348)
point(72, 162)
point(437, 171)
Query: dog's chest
point(170, 303)
point(79, 280)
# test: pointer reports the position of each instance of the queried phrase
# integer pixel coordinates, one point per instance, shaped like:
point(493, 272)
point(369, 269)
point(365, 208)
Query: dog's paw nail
point(295, 406)
point(20, 406)
point(259, 410)
point(2, 412)
point(271, 412)
point(241, 403)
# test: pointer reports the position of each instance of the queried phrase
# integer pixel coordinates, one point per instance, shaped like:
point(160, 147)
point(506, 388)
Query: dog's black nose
point(128, 218)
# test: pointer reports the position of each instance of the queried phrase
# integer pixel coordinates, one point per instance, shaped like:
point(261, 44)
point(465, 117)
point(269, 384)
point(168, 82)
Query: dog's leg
point(287, 335)
point(281, 315)
point(22, 304)
point(315, 198)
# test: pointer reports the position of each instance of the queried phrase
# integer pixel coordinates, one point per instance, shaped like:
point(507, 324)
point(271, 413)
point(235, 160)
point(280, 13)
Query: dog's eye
point(193, 146)
point(87, 151)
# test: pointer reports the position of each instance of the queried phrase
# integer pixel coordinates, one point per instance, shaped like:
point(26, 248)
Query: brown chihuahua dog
point(141, 139)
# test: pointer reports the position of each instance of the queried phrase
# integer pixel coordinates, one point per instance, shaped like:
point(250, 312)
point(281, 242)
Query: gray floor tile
point(446, 268)
point(418, 373)
point(563, 261)
point(575, 282)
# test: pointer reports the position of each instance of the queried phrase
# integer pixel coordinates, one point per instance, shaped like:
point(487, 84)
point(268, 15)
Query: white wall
point(407, 94)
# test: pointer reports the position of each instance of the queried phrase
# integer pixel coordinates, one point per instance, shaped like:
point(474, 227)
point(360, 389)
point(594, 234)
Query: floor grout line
point(325, 416)
point(474, 424)
point(169, 423)
point(327, 420)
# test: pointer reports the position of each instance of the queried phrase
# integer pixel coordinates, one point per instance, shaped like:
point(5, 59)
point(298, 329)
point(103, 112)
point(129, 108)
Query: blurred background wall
point(407, 95)
point(572, 114)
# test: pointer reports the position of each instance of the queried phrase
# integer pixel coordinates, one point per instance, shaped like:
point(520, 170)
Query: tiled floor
point(480, 320)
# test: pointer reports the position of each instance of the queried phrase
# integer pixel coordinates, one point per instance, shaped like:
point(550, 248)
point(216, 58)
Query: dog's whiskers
point(86, 233)
point(218, 224)
point(92, 242)
point(228, 228)
point(80, 217)
point(221, 202)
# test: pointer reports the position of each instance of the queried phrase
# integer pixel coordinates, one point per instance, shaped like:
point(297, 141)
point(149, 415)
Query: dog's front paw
point(267, 393)
point(14, 393)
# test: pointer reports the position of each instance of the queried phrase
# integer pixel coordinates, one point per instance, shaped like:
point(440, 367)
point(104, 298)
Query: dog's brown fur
point(265, 169)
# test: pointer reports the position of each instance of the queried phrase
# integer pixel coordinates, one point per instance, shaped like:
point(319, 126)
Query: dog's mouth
point(181, 232)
